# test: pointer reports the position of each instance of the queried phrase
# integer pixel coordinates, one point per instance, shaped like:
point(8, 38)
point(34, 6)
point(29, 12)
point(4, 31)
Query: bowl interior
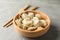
point(43, 15)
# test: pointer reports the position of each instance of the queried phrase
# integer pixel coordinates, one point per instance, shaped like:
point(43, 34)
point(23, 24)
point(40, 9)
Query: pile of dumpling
point(30, 21)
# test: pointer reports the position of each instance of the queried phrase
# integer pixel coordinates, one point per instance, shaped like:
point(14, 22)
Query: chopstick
point(24, 9)
point(34, 8)
point(8, 22)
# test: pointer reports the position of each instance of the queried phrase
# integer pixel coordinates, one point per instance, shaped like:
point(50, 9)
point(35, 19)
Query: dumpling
point(20, 20)
point(30, 14)
point(27, 23)
point(36, 21)
point(38, 15)
point(18, 23)
point(35, 18)
point(24, 15)
point(32, 28)
point(43, 23)
point(27, 18)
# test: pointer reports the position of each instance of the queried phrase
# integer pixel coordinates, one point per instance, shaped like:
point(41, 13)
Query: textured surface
point(9, 8)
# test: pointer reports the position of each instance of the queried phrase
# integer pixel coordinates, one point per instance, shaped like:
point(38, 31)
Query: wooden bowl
point(38, 32)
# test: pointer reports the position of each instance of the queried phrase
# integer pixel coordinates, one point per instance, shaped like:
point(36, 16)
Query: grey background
point(9, 8)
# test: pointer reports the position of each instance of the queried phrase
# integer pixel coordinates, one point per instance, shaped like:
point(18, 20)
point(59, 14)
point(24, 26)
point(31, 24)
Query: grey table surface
point(9, 8)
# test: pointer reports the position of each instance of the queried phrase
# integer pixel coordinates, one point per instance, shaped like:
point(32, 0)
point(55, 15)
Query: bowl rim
point(36, 30)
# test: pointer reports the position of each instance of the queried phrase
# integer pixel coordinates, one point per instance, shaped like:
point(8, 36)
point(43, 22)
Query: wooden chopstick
point(34, 8)
point(8, 22)
point(25, 8)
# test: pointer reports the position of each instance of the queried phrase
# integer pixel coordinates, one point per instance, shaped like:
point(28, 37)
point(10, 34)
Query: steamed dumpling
point(38, 15)
point(27, 18)
point(18, 22)
point(43, 23)
point(27, 23)
point(30, 14)
point(36, 21)
point(24, 15)
point(32, 28)
point(35, 18)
